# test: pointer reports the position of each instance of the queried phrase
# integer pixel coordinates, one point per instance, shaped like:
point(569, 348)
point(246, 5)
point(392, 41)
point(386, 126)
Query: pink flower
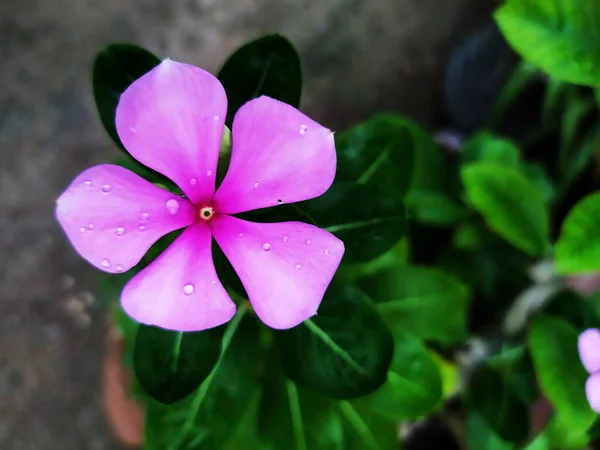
point(171, 120)
point(589, 352)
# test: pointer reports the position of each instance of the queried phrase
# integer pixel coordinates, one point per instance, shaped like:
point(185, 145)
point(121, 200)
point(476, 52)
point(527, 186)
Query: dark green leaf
point(578, 247)
point(208, 418)
point(571, 305)
point(512, 206)
point(364, 430)
point(553, 346)
point(344, 351)
point(379, 151)
point(489, 395)
point(559, 36)
point(266, 66)
point(170, 365)
point(115, 68)
point(414, 385)
point(481, 436)
point(426, 302)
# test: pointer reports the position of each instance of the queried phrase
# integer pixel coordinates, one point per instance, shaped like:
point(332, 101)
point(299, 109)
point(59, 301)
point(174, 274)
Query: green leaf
point(490, 396)
point(170, 365)
point(512, 206)
point(344, 351)
point(424, 301)
point(115, 68)
point(539, 178)
point(208, 417)
point(364, 430)
point(295, 419)
point(578, 246)
point(434, 208)
point(368, 219)
point(559, 36)
point(561, 434)
point(552, 343)
point(378, 151)
point(485, 147)
point(414, 385)
point(266, 66)
point(481, 436)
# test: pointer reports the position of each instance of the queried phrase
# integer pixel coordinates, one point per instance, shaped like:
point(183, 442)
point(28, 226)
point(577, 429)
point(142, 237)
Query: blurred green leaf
point(344, 351)
point(577, 106)
point(490, 395)
point(378, 151)
point(208, 418)
point(581, 157)
point(424, 301)
point(414, 385)
point(578, 247)
point(540, 179)
point(481, 436)
point(561, 434)
point(266, 66)
point(170, 365)
point(552, 343)
point(512, 206)
point(559, 36)
point(485, 147)
point(364, 430)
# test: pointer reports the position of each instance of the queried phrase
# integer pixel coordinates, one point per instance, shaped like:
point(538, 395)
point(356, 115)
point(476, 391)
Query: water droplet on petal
point(285, 239)
point(172, 206)
point(216, 118)
point(214, 281)
point(120, 231)
point(133, 129)
point(302, 129)
point(105, 263)
point(142, 228)
point(297, 266)
point(266, 246)
point(256, 185)
point(106, 188)
point(326, 252)
point(241, 235)
point(308, 242)
point(82, 229)
point(193, 181)
point(188, 289)
point(87, 184)
point(145, 216)
point(119, 268)
point(91, 226)
point(209, 173)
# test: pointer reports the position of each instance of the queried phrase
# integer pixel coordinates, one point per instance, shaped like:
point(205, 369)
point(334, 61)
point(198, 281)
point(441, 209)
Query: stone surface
point(359, 58)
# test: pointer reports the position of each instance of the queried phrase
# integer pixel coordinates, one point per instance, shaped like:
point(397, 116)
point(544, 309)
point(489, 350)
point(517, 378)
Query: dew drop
point(216, 118)
point(209, 173)
point(214, 282)
point(302, 129)
point(188, 289)
point(285, 239)
point(326, 252)
point(142, 228)
point(87, 184)
point(120, 231)
point(82, 229)
point(308, 242)
point(119, 268)
point(133, 129)
point(145, 216)
point(172, 206)
point(105, 263)
point(106, 188)
point(91, 226)
point(266, 246)
point(193, 181)
point(241, 235)
point(256, 185)
point(297, 266)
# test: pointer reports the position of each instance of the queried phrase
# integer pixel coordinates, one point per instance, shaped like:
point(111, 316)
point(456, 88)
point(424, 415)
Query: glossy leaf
point(344, 351)
point(559, 36)
point(115, 68)
point(170, 365)
point(414, 385)
point(426, 302)
point(208, 417)
point(578, 247)
point(378, 151)
point(511, 205)
point(552, 343)
point(266, 66)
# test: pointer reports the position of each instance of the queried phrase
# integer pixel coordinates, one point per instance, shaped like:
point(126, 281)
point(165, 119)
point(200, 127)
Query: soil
point(359, 58)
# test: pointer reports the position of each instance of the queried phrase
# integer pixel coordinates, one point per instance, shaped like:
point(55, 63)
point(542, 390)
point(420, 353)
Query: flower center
point(206, 213)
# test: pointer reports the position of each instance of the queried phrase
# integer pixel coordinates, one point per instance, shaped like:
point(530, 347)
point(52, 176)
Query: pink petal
point(278, 156)
point(112, 216)
point(171, 120)
point(589, 349)
point(180, 290)
point(592, 391)
point(285, 267)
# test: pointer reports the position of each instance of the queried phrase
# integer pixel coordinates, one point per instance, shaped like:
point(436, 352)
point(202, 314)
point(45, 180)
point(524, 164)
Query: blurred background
point(359, 57)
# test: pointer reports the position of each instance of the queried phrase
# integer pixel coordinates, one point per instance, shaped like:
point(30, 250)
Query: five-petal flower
point(172, 120)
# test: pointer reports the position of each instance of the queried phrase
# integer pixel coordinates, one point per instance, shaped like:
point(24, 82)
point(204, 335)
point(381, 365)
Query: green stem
point(296, 413)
